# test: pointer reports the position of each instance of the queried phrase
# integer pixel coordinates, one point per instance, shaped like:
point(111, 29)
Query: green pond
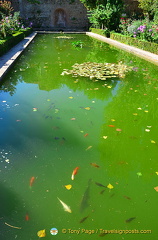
point(50, 124)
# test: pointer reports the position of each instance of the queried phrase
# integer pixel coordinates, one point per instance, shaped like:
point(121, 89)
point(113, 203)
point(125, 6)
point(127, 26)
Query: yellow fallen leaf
point(71, 97)
point(69, 186)
point(41, 233)
point(146, 111)
point(152, 141)
point(110, 186)
point(109, 86)
point(88, 148)
point(87, 108)
point(113, 120)
point(156, 189)
point(105, 137)
point(135, 114)
point(156, 173)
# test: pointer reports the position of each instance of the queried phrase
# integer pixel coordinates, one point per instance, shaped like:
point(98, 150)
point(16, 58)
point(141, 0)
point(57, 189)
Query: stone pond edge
point(150, 57)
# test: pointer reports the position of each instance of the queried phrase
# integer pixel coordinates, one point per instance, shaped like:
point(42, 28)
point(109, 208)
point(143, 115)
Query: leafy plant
point(77, 44)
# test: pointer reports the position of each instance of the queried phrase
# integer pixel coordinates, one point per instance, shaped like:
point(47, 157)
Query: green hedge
point(11, 41)
point(144, 45)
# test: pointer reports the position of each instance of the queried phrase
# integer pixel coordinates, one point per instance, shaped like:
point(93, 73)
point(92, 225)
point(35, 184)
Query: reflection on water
point(50, 124)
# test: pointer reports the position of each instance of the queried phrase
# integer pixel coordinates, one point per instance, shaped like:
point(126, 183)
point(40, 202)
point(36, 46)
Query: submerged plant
point(77, 44)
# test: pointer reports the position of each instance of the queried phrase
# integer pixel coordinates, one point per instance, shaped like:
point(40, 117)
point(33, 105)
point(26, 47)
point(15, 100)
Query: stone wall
point(54, 14)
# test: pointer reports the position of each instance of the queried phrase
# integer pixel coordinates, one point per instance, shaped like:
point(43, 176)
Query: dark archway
point(60, 19)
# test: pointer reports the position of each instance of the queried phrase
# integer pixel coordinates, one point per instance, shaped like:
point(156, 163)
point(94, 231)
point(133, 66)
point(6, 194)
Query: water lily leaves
point(98, 71)
point(110, 186)
point(41, 233)
point(68, 187)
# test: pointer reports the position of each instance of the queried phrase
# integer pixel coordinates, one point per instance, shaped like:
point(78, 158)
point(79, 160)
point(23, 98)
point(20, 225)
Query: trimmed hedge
point(11, 41)
point(144, 45)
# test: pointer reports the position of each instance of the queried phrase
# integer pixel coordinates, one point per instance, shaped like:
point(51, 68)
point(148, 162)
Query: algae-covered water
point(50, 124)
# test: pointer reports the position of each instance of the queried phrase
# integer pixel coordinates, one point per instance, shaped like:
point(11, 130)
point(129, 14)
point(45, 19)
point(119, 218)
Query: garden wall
point(54, 14)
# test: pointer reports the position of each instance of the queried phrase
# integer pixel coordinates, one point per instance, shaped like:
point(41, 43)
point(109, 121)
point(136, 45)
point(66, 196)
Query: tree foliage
point(104, 13)
point(149, 7)
point(5, 8)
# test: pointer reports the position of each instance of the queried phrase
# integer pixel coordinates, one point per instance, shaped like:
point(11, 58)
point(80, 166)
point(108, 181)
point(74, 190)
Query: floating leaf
point(156, 173)
point(156, 189)
point(68, 187)
point(135, 114)
point(87, 108)
point(105, 137)
point(110, 186)
point(139, 174)
point(88, 148)
point(71, 97)
point(152, 141)
point(41, 233)
point(113, 120)
point(147, 130)
point(146, 111)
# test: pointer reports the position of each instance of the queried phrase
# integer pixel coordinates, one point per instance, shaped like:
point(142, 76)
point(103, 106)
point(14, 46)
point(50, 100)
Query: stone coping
point(7, 60)
point(151, 57)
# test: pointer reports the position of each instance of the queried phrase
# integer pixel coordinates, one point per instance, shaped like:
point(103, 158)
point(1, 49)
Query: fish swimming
point(32, 179)
point(99, 184)
point(83, 219)
point(74, 173)
point(66, 208)
point(94, 165)
point(85, 197)
point(130, 219)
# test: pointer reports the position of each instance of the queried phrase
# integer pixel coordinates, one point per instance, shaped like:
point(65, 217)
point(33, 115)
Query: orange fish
point(94, 165)
point(74, 173)
point(27, 217)
point(111, 125)
point(86, 135)
point(32, 179)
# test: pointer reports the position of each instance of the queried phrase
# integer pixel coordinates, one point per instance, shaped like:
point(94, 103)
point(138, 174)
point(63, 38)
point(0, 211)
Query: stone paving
point(151, 57)
point(7, 60)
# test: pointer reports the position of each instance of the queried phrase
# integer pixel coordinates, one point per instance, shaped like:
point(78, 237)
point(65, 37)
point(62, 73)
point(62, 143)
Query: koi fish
point(100, 185)
point(130, 219)
point(127, 197)
point(27, 217)
point(94, 165)
point(32, 179)
point(86, 135)
point(83, 219)
point(74, 173)
point(111, 125)
point(66, 208)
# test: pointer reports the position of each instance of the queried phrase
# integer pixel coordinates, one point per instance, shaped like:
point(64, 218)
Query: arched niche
point(60, 19)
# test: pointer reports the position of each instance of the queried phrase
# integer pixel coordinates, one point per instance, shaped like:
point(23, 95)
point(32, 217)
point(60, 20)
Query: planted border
point(11, 41)
point(144, 45)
